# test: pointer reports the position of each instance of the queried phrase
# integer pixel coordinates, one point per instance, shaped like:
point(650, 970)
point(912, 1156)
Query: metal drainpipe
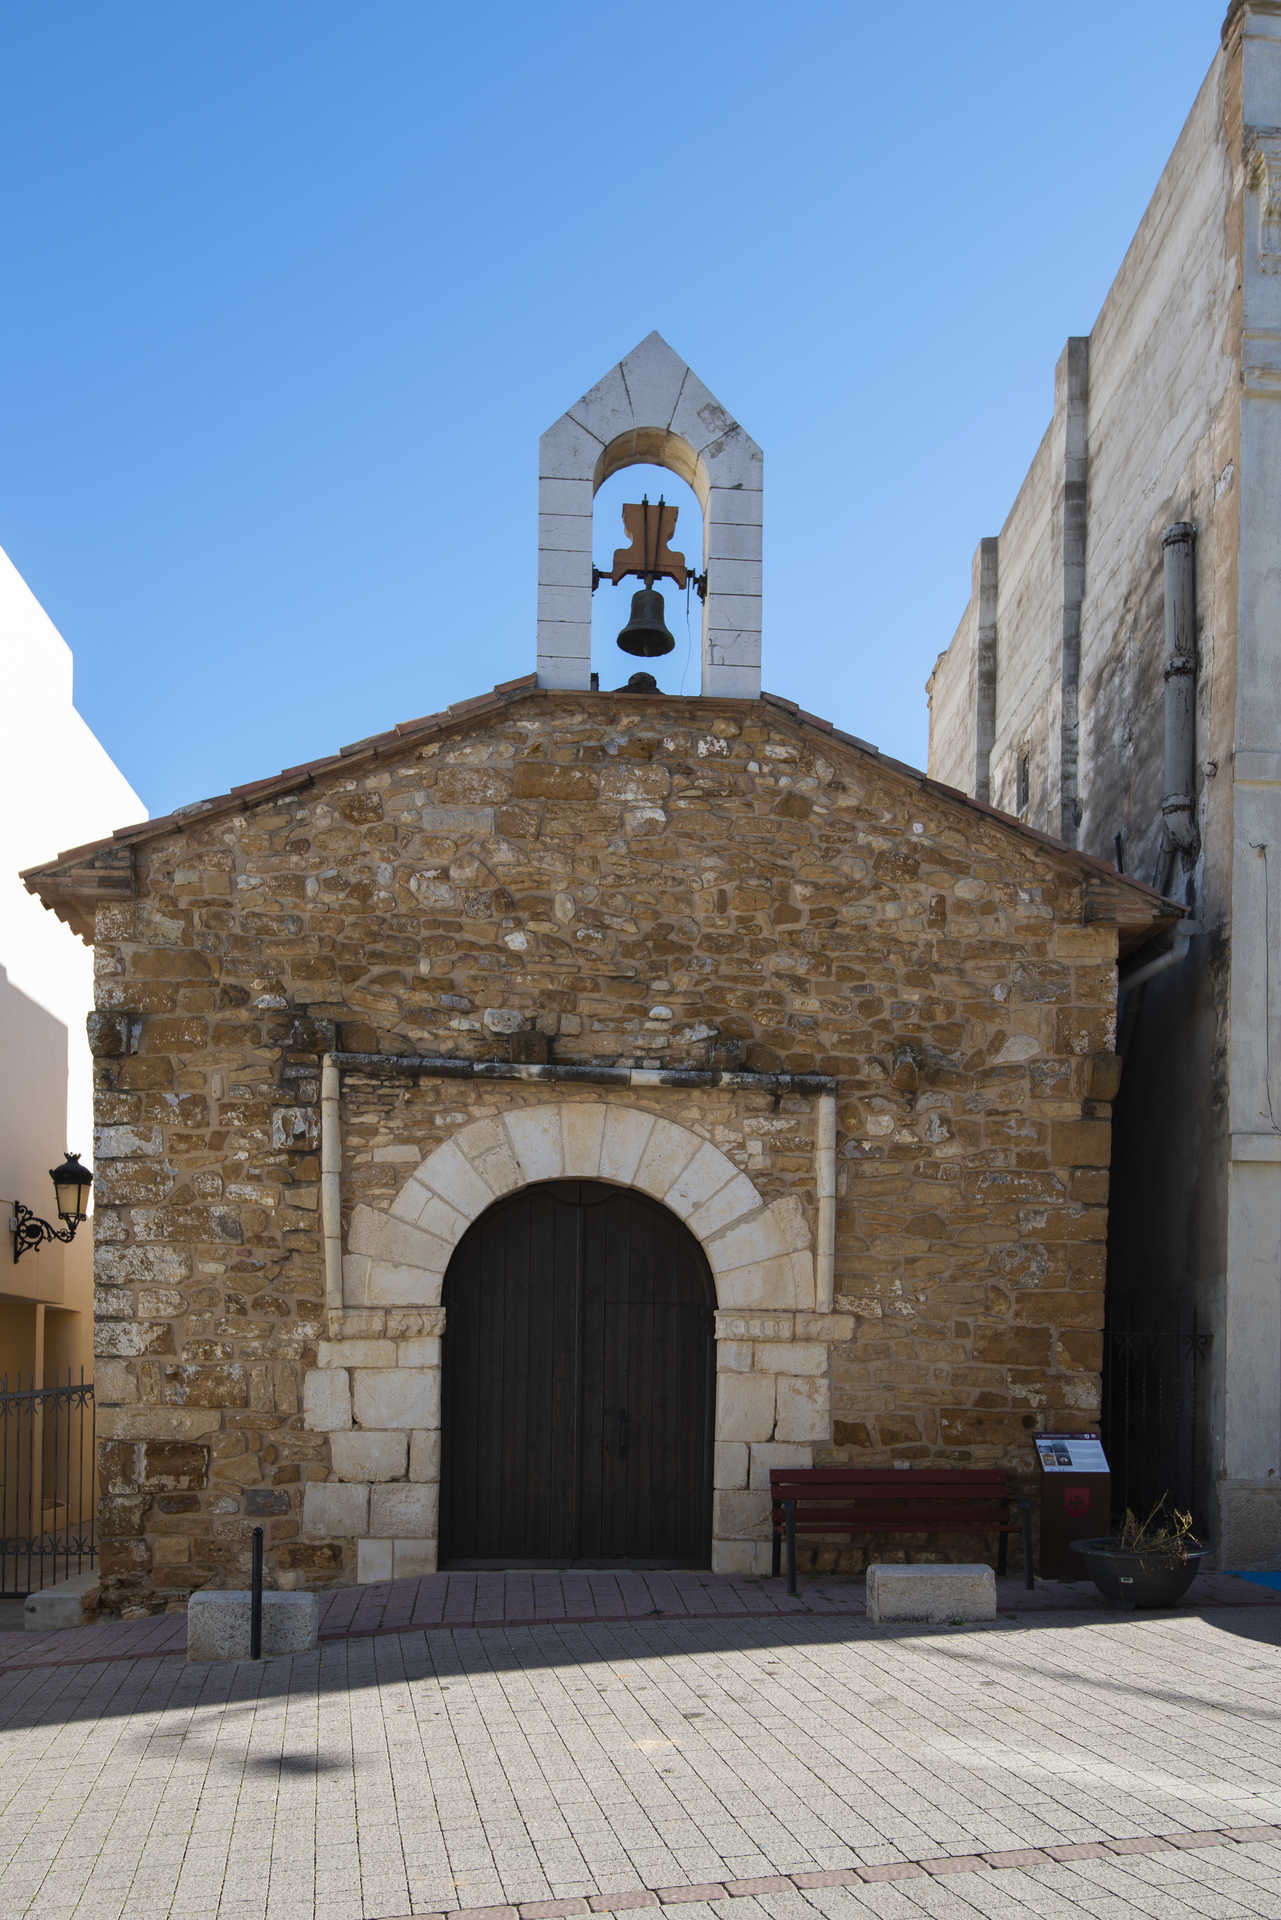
point(1180, 940)
point(1178, 807)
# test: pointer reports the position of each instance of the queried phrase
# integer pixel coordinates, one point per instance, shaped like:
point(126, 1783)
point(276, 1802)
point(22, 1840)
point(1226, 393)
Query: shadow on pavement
point(67, 1694)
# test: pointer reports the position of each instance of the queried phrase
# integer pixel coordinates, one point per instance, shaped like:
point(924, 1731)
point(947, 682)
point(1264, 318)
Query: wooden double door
point(579, 1372)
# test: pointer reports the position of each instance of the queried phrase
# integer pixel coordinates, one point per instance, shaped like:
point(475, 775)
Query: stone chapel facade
point(842, 1039)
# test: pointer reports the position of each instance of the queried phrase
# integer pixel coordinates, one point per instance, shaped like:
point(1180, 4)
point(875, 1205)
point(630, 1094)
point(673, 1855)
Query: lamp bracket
point(30, 1231)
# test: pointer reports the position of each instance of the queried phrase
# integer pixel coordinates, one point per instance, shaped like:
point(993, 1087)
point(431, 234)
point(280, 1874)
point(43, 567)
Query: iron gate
point(46, 1482)
point(1155, 1408)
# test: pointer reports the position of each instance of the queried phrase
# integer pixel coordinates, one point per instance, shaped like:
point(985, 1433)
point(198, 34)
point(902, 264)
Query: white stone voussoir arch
point(651, 409)
point(376, 1390)
point(761, 1256)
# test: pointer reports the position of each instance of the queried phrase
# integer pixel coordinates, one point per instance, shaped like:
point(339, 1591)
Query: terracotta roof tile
point(256, 786)
point(72, 853)
point(131, 834)
point(479, 703)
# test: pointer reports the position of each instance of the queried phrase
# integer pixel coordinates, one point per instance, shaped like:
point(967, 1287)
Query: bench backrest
point(884, 1488)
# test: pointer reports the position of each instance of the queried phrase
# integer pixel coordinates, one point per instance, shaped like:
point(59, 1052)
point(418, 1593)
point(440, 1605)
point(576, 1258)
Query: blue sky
point(297, 286)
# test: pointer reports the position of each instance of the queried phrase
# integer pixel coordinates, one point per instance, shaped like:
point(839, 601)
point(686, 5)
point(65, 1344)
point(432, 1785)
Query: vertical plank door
point(578, 1384)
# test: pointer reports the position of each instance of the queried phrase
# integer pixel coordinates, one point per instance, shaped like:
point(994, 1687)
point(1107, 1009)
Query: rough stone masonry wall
point(654, 881)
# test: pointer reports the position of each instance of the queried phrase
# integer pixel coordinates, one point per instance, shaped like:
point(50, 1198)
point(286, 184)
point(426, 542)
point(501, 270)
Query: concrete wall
point(1183, 379)
point(1157, 387)
point(1250, 1506)
point(1162, 448)
point(1162, 422)
point(1026, 684)
point(953, 699)
point(57, 787)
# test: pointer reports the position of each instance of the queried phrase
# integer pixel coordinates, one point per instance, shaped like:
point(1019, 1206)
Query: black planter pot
point(1136, 1579)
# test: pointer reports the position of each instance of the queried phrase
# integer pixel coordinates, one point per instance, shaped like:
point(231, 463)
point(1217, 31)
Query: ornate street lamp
point(71, 1184)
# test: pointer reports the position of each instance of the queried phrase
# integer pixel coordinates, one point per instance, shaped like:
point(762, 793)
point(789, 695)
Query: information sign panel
point(1071, 1453)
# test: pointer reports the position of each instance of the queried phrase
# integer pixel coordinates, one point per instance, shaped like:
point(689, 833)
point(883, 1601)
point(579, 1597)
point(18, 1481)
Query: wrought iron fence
point(46, 1482)
point(1155, 1413)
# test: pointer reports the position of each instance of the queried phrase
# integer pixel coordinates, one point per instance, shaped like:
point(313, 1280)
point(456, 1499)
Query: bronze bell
point(646, 630)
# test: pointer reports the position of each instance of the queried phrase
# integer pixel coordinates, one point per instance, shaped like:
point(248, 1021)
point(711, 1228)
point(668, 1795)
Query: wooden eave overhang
point(84, 878)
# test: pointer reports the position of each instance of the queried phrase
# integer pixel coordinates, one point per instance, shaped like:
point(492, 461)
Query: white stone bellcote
point(650, 409)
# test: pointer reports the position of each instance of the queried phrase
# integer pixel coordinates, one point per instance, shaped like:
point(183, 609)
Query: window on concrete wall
point(1022, 780)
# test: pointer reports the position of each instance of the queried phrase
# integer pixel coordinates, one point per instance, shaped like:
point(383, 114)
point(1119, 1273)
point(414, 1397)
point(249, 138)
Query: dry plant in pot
point(1150, 1562)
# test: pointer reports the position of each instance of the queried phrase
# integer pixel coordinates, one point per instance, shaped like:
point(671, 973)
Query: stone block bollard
point(937, 1592)
point(218, 1624)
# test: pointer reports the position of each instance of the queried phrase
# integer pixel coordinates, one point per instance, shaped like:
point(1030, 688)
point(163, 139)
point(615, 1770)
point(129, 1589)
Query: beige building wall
point(57, 784)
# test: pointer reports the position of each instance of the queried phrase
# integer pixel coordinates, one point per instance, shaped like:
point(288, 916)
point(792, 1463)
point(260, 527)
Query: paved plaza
point(762, 1765)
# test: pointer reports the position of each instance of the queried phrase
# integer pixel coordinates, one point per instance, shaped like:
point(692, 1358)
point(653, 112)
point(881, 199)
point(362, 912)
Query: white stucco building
point(55, 779)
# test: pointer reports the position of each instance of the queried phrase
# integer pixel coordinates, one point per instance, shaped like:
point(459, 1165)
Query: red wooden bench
point(861, 1500)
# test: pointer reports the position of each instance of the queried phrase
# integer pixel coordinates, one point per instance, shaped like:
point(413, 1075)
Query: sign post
point(1076, 1499)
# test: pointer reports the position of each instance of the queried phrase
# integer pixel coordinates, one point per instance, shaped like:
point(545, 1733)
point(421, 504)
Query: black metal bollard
point(255, 1598)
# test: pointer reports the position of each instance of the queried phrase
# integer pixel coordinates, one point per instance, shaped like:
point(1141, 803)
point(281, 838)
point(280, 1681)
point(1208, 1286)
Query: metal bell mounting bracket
point(650, 557)
point(697, 580)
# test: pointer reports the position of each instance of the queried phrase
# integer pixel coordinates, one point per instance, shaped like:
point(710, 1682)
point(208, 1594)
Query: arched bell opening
point(660, 636)
point(579, 1384)
point(655, 447)
point(651, 409)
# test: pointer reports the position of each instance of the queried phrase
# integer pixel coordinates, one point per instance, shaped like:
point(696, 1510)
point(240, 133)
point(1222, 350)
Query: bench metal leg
point(776, 1550)
point(1027, 1546)
point(1002, 1553)
point(789, 1512)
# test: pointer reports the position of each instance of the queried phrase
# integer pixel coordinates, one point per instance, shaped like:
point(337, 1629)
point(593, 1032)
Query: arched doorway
point(579, 1372)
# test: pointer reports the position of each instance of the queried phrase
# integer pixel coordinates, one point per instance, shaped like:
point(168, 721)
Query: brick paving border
point(937, 1867)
